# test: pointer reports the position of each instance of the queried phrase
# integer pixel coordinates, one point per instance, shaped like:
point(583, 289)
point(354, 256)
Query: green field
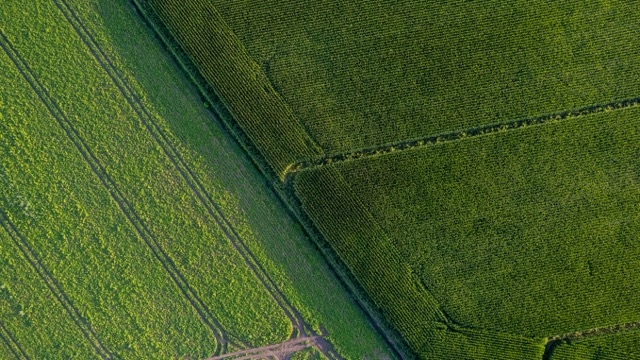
point(360, 74)
point(549, 249)
point(132, 225)
point(609, 347)
point(450, 180)
point(473, 240)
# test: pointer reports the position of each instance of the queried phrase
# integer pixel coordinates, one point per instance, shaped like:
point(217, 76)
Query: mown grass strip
point(12, 344)
point(122, 203)
point(51, 281)
point(172, 153)
point(237, 81)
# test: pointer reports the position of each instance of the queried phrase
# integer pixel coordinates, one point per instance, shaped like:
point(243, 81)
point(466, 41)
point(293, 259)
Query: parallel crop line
point(117, 196)
point(461, 134)
point(181, 165)
point(12, 343)
point(51, 282)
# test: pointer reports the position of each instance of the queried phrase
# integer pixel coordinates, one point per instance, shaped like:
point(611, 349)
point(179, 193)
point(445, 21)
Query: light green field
point(88, 184)
point(29, 309)
point(622, 346)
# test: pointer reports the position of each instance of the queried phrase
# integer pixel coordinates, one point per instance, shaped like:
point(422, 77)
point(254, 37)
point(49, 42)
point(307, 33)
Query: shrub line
point(558, 340)
point(462, 134)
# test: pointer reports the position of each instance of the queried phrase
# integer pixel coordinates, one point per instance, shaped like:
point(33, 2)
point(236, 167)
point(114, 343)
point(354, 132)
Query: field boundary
point(10, 341)
point(282, 190)
point(412, 144)
point(52, 283)
point(172, 153)
point(126, 208)
point(558, 340)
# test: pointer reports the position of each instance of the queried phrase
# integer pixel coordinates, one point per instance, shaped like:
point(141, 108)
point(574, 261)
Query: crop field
point(131, 225)
point(615, 347)
point(360, 74)
point(474, 166)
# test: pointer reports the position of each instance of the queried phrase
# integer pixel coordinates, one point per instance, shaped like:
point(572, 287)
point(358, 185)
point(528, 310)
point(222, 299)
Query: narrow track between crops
point(301, 328)
point(52, 283)
point(461, 134)
point(557, 340)
point(126, 208)
point(10, 341)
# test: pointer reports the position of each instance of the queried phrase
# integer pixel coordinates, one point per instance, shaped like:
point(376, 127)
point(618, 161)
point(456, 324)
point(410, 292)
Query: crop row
point(392, 285)
point(238, 82)
point(363, 247)
point(364, 74)
point(557, 221)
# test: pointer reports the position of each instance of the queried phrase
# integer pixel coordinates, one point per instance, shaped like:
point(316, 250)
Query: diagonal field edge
point(53, 284)
point(462, 134)
point(181, 165)
point(155, 25)
point(173, 155)
point(126, 208)
point(558, 340)
point(11, 342)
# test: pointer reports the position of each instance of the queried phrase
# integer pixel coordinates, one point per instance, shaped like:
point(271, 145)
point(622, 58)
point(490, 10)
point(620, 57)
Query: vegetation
point(528, 259)
point(620, 346)
point(362, 73)
point(490, 278)
point(238, 82)
point(139, 242)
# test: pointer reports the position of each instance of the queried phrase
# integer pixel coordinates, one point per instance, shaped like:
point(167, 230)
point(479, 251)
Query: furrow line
point(557, 340)
point(52, 283)
point(181, 165)
point(461, 134)
point(126, 208)
point(12, 343)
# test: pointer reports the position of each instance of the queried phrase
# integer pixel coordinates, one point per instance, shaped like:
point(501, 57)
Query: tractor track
point(52, 283)
point(13, 344)
point(126, 208)
point(159, 136)
point(301, 328)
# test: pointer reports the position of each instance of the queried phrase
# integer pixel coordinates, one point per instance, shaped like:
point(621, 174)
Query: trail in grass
point(12, 344)
point(123, 204)
point(52, 284)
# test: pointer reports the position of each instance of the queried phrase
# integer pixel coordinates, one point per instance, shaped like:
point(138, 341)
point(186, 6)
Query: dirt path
point(276, 351)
